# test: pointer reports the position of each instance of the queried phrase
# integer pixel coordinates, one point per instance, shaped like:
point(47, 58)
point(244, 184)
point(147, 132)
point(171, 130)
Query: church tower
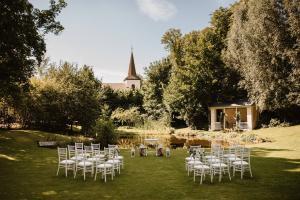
point(132, 81)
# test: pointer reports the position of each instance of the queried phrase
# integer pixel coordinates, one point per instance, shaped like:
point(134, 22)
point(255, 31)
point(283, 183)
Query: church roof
point(131, 70)
point(115, 86)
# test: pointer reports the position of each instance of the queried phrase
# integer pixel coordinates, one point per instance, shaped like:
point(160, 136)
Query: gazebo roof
point(240, 103)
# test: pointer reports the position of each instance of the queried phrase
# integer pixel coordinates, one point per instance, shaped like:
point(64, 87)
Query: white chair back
point(71, 151)
point(78, 145)
point(95, 149)
point(112, 146)
point(62, 154)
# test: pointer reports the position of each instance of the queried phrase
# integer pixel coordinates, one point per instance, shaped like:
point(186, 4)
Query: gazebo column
point(213, 118)
point(249, 118)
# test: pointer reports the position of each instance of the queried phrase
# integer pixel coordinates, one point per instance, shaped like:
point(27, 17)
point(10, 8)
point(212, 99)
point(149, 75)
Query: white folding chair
point(85, 166)
point(71, 151)
point(95, 149)
point(88, 150)
point(234, 155)
point(243, 164)
point(220, 167)
point(202, 170)
point(63, 161)
point(116, 164)
point(191, 164)
point(104, 169)
point(111, 146)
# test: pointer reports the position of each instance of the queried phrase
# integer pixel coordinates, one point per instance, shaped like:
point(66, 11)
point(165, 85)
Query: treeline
point(250, 50)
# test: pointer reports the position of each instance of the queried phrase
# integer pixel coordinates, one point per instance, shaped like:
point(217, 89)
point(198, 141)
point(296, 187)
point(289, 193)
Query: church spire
point(131, 70)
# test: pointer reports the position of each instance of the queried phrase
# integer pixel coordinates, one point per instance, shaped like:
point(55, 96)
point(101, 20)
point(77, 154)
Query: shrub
point(196, 142)
point(130, 117)
point(274, 122)
point(105, 132)
point(249, 138)
point(177, 142)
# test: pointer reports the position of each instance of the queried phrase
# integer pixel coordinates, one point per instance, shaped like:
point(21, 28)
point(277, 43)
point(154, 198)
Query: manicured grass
point(28, 172)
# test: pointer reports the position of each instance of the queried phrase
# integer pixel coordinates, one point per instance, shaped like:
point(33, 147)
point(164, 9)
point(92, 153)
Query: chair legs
point(57, 171)
point(67, 167)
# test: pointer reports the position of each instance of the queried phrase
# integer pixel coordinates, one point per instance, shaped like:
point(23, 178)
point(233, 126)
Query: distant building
point(240, 114)
point(132, 81)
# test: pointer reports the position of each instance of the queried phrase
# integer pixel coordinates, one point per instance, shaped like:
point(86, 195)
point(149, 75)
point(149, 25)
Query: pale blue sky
point(100, 33)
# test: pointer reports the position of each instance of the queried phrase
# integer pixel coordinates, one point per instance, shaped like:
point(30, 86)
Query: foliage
point(159, 124)
point(65, 94)
point(199, 75)
point(105, 132)
point(130, 117)
point(111, 99)
point(7, 115)
point(263, 45)
point(158, 74)
point(22, 44)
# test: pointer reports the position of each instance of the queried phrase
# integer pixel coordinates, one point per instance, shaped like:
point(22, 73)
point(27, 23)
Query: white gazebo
point(242, 115)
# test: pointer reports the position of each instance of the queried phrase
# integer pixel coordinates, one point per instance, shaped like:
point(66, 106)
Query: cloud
point(158, 10)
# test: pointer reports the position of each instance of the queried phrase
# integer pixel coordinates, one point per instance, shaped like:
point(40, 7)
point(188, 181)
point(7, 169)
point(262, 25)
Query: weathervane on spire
point(131, 48)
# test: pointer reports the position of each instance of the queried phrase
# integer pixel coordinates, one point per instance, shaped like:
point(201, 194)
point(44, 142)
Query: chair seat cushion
point(69, 162)
point(210, 157)
point(240, 163)
point(105, 165)
point(86, 163)
point(84, 154)
point(219, 165)
point(213, 160)
point(228, 155)
point(93, 159)
point(77, 158)
point(113, 161)
point(187, 159)
point(234, 159)
point(195, 162)
point(201, 167)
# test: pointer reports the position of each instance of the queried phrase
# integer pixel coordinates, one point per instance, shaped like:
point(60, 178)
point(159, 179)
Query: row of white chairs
point(90, 159)
point(217, 161)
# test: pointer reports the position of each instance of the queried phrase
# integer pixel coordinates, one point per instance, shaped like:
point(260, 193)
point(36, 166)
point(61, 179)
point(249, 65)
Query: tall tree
point(201, 77)
point(264, 46)
point(157, 79)
point(22, 45)
point(62, 95)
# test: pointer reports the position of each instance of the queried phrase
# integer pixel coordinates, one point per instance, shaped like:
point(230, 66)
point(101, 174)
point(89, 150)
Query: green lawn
point(28, 172)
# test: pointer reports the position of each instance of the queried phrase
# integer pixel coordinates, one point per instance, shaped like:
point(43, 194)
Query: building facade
point(132, 81)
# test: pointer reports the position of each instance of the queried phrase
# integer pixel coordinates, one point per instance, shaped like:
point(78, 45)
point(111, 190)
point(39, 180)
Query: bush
point(130, 117)
point(196, 142)
point(177, 142)
point(274, 122)
point(105, 132)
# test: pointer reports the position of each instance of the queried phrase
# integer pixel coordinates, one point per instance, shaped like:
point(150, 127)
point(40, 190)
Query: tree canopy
point(199, 75)
point(63, 95)
point(264, 46)
point(22, 45)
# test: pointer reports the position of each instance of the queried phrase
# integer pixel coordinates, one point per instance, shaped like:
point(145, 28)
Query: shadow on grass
point(33, 177)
